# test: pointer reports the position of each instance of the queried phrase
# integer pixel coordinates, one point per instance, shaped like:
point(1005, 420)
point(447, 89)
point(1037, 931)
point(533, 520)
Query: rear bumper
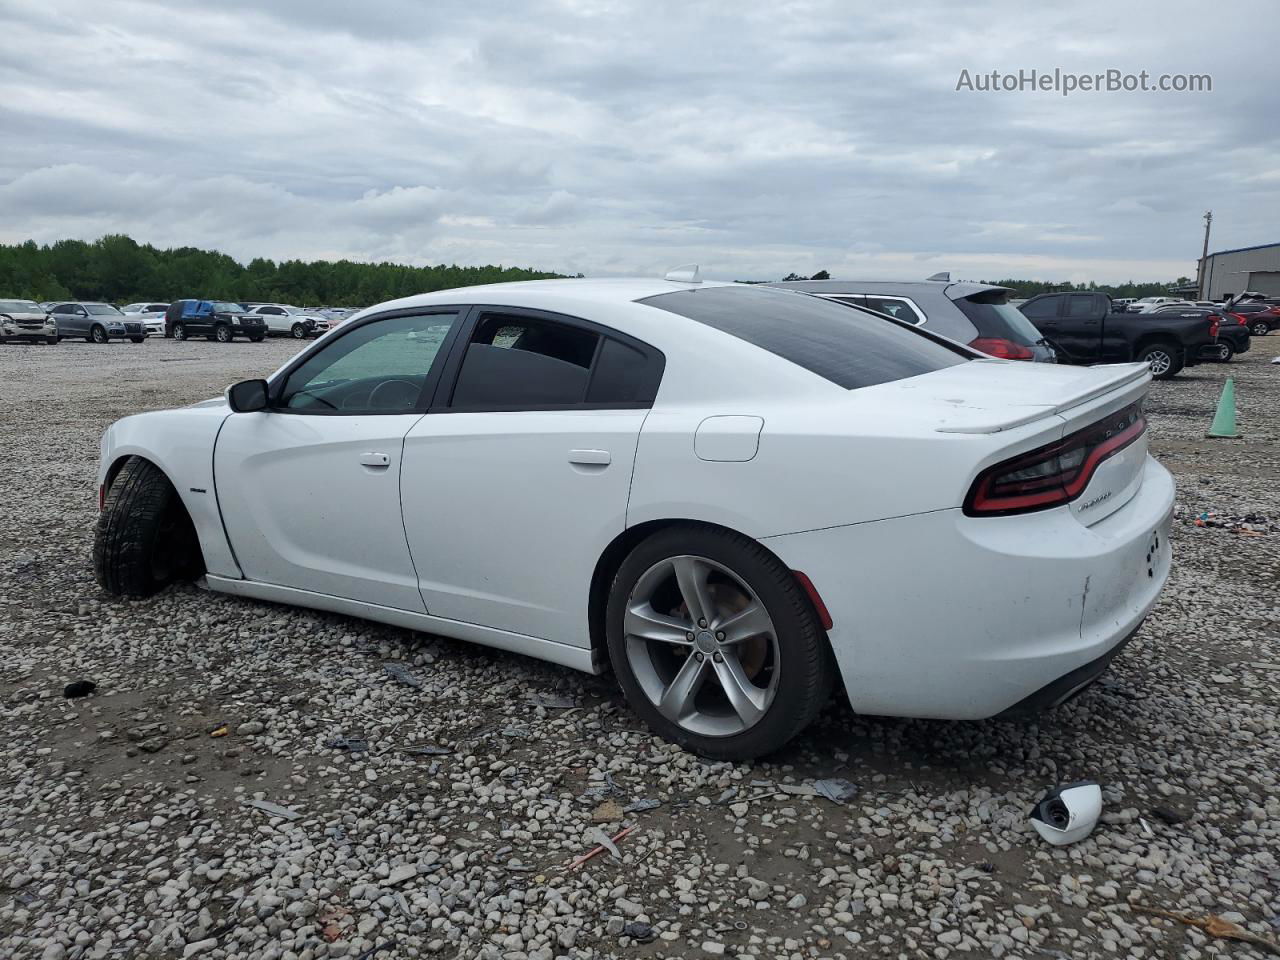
point(954, 617)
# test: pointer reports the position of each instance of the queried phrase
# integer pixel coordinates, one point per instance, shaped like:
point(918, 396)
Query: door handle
point(592, 458)
point(375, 460)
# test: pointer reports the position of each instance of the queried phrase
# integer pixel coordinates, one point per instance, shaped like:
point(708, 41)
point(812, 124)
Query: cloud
point(610, 137)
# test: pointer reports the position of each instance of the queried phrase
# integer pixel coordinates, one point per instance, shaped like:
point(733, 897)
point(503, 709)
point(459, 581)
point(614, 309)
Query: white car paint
point(150, 313)
point(487, 526)
point(280, 317)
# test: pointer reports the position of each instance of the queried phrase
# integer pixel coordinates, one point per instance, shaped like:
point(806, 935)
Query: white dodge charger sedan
point(737, 498)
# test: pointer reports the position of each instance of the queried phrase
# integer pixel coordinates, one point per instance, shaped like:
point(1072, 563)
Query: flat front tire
point(714, 643)
point(144, 538)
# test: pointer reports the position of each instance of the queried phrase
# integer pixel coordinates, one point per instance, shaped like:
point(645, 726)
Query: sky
point(607, 138)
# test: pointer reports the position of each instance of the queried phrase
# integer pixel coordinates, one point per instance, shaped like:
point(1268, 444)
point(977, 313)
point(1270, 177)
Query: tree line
point(116, 269)
point(1029, 288)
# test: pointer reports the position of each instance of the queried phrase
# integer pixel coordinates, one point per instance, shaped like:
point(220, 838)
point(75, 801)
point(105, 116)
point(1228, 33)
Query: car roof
point(954, 289)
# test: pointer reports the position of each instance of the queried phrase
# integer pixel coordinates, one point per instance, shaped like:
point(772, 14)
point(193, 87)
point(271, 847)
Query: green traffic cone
point(1224, 420)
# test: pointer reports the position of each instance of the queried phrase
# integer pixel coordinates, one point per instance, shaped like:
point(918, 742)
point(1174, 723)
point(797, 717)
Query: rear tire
point(1162, 358)
point(1260, 329)
point(791, 656)
point(144, 538)
point(98, 334)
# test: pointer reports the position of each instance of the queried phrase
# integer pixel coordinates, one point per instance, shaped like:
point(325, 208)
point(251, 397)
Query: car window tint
point(848, 347)
point(1080, 305)
point(380, 367)
point(893, 307)
point(518, 362)
point(623, 375)
point(1043, 309)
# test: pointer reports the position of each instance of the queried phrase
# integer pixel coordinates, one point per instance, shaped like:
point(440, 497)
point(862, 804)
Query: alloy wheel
point(99, 335)
point(702, 646)
point(1260, 329)
point(1159, 361)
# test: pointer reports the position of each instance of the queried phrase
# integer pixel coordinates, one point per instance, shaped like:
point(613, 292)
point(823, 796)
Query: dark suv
point(218, 320)
point(977, 314)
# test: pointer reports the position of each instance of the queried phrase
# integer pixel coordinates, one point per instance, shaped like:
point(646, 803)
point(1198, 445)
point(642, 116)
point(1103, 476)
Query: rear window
point(994, 316)
point(848, 347)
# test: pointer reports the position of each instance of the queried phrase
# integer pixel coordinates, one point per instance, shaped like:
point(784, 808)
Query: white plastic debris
point(1069, 813)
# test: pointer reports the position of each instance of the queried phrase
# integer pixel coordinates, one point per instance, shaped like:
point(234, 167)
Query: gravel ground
point(435, 793)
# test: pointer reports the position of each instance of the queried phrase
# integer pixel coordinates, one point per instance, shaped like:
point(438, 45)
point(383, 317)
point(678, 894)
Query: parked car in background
point(1146, 304)
point(26, 320)
point(282, 319)
point(218, 320)
point(716, 483)
point(1233, 331)
point(1084, 328)
point(151, 314)
point(96, 322)
point(976, 314)
point(1121, 304)
point(1261, 316)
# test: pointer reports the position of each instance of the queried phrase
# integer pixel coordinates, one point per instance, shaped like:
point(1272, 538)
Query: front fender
point(179, 442)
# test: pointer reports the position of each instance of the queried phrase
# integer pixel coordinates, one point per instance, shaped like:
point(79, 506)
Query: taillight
point(1213, 325)
point(1004, 349)
point(1055, 474)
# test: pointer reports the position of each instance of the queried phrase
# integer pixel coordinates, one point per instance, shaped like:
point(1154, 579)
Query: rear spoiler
point(1111, 377)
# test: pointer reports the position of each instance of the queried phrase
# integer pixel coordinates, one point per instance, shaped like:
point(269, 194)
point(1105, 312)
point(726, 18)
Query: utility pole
point(1201, 293)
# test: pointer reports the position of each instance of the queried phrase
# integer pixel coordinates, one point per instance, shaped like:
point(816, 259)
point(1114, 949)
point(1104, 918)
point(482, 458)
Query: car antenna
point(944, 276)
point(685, 273)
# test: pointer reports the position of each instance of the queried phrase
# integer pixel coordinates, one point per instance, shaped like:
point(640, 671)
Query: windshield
point(850, 348)
point(19, 306)
point(222, 306)
point(101, 309)
point(994, 316)
point(294, 311)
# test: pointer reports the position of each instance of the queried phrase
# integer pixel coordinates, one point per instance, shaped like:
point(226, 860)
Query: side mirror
point(247, 396)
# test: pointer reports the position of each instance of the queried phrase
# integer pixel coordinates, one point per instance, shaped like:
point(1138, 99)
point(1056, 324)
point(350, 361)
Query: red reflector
point(824, 616)
point(102, 496)
point(1055, 474)
point(1004, 349)
point(1213, 326)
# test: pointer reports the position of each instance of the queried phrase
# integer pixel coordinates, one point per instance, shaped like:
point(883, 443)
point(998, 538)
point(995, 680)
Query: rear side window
point(1080, 305)
point(847, 347)
point(894, 307)
point(992, 314)
point(521, 363)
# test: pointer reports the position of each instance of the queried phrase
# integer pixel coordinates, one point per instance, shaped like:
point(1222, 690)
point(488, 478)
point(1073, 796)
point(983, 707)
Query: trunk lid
point(992, 396)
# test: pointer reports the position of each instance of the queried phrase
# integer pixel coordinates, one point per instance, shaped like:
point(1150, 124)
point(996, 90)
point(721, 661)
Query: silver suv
point(976, 314)
point(26, 320)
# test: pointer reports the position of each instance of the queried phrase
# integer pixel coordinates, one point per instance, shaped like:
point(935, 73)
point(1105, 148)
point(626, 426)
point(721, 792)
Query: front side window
point(515, 362)
point(381, 367)
point(1043, 309)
